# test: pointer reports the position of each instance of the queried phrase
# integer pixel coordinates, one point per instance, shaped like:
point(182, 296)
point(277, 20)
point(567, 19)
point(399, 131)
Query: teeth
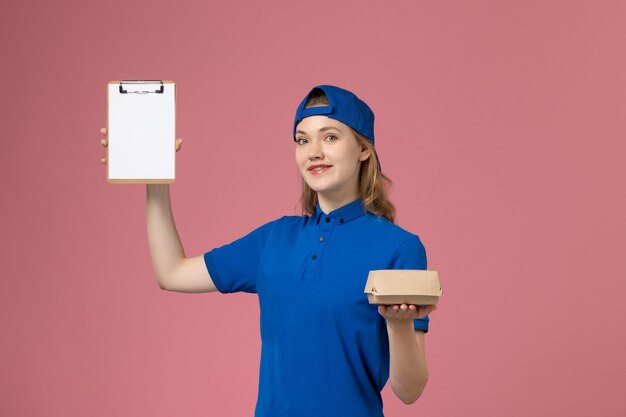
point(318, 168)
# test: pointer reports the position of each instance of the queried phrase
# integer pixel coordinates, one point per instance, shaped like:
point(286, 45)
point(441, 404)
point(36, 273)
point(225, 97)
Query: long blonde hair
point(374, 186)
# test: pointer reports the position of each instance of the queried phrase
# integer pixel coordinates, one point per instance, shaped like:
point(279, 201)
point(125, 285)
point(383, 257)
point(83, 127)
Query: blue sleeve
point(412, 255)
point(233, 267)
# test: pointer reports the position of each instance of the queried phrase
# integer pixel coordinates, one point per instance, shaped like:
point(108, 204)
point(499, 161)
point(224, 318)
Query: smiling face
point(329, 143)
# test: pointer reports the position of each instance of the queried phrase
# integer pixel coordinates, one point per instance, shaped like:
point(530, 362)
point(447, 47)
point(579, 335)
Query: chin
point(320, 186)
point(322, 189)
point(314, 188)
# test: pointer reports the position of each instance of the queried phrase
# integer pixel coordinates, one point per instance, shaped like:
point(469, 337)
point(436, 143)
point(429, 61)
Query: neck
point(329, 203)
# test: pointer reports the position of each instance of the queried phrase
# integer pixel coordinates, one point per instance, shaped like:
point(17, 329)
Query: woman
point(325, 350)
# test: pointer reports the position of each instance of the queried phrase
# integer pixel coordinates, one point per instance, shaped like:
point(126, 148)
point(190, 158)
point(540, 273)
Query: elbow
point(413, 398)
point(163, 284)
point(409, 398)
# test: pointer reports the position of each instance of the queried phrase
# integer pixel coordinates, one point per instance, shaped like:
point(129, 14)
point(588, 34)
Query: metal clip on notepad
point(129, 86)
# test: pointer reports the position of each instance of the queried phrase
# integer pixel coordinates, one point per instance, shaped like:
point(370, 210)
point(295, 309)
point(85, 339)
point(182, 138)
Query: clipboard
point(141, 130)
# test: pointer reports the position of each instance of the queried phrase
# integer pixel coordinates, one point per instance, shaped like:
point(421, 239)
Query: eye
point(299, 141)
point(331, 136)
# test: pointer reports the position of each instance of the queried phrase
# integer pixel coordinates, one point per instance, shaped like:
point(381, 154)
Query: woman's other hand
point(404, 312)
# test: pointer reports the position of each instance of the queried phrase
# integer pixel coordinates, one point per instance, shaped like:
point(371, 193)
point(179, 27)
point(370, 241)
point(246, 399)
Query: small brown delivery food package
point(403, 286)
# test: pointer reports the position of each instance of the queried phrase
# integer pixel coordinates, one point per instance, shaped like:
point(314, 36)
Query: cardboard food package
point(403, 286)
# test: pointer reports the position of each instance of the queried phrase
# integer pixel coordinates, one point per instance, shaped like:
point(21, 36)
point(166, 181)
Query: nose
point(315, 150)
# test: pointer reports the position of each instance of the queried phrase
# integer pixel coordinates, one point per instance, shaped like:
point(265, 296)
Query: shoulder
point(292, 220)
point(286, 220)
point(288, 224)
point(408, 250)
point(401, 242)
point(389, 229)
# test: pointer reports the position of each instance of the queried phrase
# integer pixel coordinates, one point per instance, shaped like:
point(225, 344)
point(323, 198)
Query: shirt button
point(327, 219)
point(314, 257)
point(340, 220)
point(321, 238)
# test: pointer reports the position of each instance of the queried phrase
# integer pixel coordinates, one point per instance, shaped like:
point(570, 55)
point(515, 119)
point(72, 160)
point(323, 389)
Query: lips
point(318, 166)
point(318, 169)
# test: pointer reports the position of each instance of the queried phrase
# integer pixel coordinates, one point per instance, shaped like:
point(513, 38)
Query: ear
point(365, 153)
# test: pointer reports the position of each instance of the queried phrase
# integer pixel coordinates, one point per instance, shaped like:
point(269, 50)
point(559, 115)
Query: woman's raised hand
point(104, 141)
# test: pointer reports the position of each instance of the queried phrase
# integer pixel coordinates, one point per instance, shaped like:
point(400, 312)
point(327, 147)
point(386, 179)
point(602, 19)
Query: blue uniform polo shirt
point(325, 349)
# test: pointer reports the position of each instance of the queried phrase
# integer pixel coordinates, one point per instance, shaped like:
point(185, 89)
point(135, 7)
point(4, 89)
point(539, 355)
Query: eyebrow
point(323, 129)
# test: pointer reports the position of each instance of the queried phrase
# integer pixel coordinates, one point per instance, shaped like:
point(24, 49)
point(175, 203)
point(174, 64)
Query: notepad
point(141, 130)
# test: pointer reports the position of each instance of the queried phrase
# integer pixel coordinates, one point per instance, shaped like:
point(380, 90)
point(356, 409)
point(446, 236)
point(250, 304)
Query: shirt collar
point(342, 214)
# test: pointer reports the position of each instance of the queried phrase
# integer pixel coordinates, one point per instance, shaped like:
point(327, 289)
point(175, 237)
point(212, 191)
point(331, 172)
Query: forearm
point(166, 249)
point(408, 373)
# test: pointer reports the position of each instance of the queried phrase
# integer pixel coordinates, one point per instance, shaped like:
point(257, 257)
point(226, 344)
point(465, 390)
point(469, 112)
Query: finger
point(103, 130)
point(426, 310)
point(104, 142)
point(103, 160)
point(179, 144)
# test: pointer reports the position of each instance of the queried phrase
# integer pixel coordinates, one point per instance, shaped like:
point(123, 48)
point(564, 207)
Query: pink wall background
point(501, 124)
